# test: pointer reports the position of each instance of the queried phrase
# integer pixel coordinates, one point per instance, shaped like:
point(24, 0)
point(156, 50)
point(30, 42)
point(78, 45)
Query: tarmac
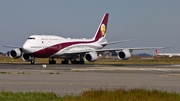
point(74, 79)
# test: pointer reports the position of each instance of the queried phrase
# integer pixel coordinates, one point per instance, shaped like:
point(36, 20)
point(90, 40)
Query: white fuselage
point(55, 46)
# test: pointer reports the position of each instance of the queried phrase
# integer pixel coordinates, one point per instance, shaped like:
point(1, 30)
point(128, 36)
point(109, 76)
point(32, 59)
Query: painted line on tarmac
point(124, 69)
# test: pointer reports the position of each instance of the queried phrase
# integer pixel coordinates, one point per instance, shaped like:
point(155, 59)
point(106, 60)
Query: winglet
point(101, 31)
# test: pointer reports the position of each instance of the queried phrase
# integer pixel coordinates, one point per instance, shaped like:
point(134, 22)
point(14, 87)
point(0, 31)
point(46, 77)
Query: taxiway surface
point(74, 79)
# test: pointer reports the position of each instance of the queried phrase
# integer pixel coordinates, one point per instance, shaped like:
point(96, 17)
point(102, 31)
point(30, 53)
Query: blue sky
point(148, 22)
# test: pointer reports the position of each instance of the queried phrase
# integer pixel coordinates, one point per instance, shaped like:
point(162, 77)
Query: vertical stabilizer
point(101, 31)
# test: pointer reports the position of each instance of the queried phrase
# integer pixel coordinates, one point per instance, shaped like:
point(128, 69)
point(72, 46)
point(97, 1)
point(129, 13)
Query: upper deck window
point(31, 38)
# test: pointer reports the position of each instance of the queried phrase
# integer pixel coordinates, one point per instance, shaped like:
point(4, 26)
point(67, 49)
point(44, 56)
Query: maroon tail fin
point(101, 31)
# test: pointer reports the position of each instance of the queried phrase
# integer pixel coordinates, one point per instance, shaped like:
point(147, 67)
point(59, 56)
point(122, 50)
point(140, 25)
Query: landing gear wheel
point(65, 61)
point(81, 60)
point(52, 61)
point(33, 62)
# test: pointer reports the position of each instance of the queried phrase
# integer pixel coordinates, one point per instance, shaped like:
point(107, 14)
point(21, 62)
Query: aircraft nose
point(26, 48)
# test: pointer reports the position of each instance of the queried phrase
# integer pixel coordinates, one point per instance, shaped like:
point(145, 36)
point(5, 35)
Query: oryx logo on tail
point(103, 30)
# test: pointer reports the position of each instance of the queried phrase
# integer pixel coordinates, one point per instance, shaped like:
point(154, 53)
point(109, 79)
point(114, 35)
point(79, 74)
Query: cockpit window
point(31, 38)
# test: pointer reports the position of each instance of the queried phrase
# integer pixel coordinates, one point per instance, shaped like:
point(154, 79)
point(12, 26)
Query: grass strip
point(94, 95)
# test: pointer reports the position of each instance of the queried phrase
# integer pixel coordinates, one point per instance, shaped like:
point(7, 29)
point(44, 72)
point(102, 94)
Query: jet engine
point(91, 56)
point(124, 54)
point(16, 53)
point(26, 57)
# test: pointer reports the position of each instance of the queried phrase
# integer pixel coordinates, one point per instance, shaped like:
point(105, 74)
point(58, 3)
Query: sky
point(151, 23)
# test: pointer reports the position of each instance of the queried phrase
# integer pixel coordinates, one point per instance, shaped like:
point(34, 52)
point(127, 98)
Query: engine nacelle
point(26, 57)
point(91, 56)
point(16, 53)
point(124, 54)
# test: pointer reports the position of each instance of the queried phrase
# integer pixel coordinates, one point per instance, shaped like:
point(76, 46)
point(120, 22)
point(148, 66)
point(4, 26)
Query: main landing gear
point(52, 61)
point(78, 60)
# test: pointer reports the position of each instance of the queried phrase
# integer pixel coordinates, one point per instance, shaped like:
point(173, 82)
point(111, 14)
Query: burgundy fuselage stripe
point(46, 52)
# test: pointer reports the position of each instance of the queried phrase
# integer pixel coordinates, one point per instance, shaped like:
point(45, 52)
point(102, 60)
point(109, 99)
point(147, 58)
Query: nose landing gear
point(33, 61)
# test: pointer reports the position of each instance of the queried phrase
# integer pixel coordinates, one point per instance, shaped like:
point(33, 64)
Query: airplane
point(166, 54)
point(71, 50)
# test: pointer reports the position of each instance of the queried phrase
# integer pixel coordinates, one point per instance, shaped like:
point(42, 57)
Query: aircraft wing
point(113, 49)
point(115, 42)
point(11, 46)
